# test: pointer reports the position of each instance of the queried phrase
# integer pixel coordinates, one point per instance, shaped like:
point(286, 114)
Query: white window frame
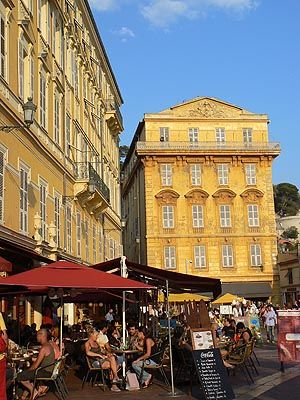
point(220, 135)
point(198, 216)
point(68, 135)
point(168, 217)
point(78, 234)
point(43, 99)
point(43, 207)
point(250, 171)
point(170, 257)
point(255, 255)
point(3, 45)
point(94, 243)
point(24, 181)
point(164, 134)
point(227, 256)
point(225, 215)
point(200, 256)
point(69, 227)
point(223, 174)
point(21, 66)
point(87, 242)
point(195, 172)
point(193, 135)
point(3, 155)
point(253, 215)
point(57, 113)
point(57, 217)
point(166, 174)
point(247, 135)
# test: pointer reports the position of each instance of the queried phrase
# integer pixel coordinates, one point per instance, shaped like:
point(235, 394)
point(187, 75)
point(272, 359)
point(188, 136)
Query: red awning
point(5, 266)
point(64, 274)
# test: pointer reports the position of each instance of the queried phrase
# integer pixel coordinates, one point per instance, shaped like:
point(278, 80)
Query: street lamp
point(29, 109)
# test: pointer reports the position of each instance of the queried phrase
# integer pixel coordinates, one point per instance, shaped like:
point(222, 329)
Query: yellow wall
point(205, 114)
point(95, 124)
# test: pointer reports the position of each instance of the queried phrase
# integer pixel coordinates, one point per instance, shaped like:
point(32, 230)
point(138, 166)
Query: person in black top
point(228, 330)
point(149, 357)
point(244, 333)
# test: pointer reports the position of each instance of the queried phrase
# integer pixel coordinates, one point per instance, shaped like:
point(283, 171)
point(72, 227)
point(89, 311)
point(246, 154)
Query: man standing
point(270, 322)
point(109, 317)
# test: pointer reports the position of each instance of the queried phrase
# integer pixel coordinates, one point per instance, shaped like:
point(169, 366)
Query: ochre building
point(198, 198)
point(59, 179)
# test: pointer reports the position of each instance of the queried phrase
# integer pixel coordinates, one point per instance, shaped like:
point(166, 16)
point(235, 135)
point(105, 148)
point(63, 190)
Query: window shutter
point(2, 159)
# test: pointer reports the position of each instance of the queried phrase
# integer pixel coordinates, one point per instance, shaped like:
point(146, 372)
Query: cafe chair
point(93, 371)
point(57, 378)
point(164, 361)
point(239, 360)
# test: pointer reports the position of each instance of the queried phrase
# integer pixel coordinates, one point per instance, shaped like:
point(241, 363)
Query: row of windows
point(200, 259)
point(222, 170)
point(194, 135)
point(168, 216)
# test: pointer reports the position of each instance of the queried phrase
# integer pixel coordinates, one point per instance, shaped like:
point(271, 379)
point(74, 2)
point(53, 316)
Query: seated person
point(102, 360)
point(45, 360)
point(149, 357)
point(113, 337)
point(227, 329)
point(245, 335)
point(132, 338)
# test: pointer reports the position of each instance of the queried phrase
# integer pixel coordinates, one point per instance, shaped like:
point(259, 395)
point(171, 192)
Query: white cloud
point(125, 33)
point(104, 5)
point(163, 13)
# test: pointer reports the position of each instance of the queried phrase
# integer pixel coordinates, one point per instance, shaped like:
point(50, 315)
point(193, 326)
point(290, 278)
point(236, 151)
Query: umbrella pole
point(172, 393)
point(61, 324)
point(124, 331)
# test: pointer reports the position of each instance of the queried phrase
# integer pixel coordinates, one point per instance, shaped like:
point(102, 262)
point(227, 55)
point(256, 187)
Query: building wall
point(151, 153)
point(289, 270)
point(54, 54)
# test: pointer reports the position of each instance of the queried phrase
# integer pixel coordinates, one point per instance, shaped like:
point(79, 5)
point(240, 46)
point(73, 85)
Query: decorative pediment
point(167, 196)
point(206, 107)
point(196, 196)
point(224, 195)
point(252, 195)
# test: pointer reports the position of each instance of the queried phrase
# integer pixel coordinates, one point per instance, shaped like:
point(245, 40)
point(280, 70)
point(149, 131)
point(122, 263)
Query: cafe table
point(17, 361)
point(127, 354)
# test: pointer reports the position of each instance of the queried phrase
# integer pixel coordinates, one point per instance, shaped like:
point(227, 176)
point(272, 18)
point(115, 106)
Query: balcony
point(114, 117)
point(90, 190)
point(239, 148)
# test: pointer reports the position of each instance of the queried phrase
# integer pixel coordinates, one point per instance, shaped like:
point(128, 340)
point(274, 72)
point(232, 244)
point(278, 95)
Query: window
point(2, 164)
point(166, 174)
point(101, 242)
point(195, 171)
point(111, 248)
point(247, 135)
point(69, 227)
point(251, 174)
point(24, 172)
point(43, 97)
point(68, 135)
point(223, 174)
point(164, 134)
point(2, 46)
point(87, 244)
point(57, 205)
point(193, 134)
point(74, 70)
point(43, 199)
point(200, 256)
point(31, 90)
point(22, 57)
point(227, 255)
point(220, 135)
point(290, 276)
point(56, 118)
point(225, 216)
point(170, 257)
point(255, 253)
point(94, 244)
point(168, 216)
point(253, 215)
point(78, 234)
point(197, 211)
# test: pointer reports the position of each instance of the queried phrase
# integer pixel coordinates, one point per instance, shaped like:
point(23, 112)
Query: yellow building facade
point(198, 198)
point(59, 179)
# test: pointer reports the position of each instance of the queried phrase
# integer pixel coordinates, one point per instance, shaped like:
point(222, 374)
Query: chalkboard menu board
point(212, 375)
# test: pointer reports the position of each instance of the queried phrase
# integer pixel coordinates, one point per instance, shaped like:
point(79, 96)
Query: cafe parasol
point(63, 277)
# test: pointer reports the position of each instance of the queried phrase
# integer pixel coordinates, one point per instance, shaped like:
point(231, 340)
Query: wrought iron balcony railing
point(85, 171)
point(210, 146)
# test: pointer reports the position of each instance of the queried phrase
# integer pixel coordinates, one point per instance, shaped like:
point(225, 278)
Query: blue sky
point(242, 51)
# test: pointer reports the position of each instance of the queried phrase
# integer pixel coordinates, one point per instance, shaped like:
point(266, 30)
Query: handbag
point(132, 382)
